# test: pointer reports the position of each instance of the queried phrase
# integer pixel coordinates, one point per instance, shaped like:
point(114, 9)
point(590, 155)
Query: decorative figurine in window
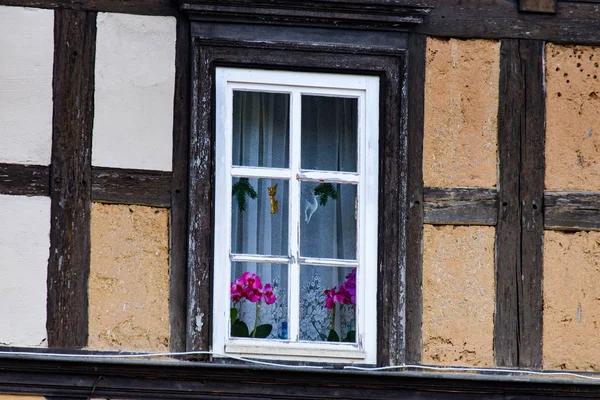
point(274, 203)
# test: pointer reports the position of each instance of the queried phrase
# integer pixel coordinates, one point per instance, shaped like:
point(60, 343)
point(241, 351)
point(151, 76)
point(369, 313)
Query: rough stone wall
point(461, 113)
point(571, 301)
point(129, 278)
point(458, 295)
point(572, 117)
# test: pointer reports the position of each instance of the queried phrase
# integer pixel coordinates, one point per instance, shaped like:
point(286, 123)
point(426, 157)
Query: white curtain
point(261, 138)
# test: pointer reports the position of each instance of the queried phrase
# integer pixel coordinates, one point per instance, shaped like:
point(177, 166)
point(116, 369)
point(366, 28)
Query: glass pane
point(329, 133)
point(327, 304)
point(261, 129)
point(259, 289)
point(328, 220)
point(259, 223)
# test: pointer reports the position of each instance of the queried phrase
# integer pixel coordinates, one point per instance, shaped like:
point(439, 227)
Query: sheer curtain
point(261, 138)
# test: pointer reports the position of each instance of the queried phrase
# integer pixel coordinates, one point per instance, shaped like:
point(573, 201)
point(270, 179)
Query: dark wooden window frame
point(392, 70)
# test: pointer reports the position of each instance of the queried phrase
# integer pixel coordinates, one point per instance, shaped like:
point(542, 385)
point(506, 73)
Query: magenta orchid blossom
point(249, 286)
point(345, 294)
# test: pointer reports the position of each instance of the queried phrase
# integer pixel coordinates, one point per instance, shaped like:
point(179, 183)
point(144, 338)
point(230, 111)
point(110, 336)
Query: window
point(296, 201)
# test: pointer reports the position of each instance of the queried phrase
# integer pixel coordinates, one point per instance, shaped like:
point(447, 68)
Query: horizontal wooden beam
point(24, 180)
point(144, 7)
point(460, 206)
point(572, 211)
point(574, 22)
point(131, 186)
point(109, 185)
point(67, 377)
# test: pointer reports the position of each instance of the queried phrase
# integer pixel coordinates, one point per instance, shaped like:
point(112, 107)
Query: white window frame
point(366, 90)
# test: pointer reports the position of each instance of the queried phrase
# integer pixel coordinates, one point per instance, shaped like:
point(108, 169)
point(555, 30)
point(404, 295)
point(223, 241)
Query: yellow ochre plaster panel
point(129, 278)
point(20, 397)
point(572, 117)
point(571, 301)
point(458, 295)
point(461, 113)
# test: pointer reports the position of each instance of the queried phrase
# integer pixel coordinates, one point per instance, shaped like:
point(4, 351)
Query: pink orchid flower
point(249, 280)
point(330, 294)
point(236, 292)
point(268, 294)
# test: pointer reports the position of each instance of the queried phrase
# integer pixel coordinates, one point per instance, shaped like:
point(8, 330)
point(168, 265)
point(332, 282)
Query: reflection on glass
point(259, 223)
point(327, 304)
point(261, 129)
point(259, 290)
point(328, 220)
point(329, 133)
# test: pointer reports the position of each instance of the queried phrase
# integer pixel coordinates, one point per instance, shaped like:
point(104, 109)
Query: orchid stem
point(256, 318)
point(333, 318)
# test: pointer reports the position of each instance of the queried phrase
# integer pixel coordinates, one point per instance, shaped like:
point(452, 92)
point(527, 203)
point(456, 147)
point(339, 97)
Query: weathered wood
point(201, 205)
point(414, 216)
point(574, 22)
point(391, 284)
point(24, 180)
point(571, 211)
point(532, 199)
point(70, 178)
point(179, 191)
point(111, 379)
point(144, 7)
point(131, 186)
point(539, 6)
point(392, 200)
point(319, 13)
point(519, 233)
point(461, 206)
point(508, 237)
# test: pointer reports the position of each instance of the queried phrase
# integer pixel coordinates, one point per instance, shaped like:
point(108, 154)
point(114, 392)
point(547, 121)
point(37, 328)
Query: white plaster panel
point(24, 251)
point(135, 78)
point(26, 60)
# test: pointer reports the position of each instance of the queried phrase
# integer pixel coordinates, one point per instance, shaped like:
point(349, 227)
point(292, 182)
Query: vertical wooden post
point(417, 45)
point(532, 197)
point(519, 233)
point(70, 178)
point(201, 205)
point(179, 192)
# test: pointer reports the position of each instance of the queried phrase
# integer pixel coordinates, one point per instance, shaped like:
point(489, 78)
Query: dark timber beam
point(69, 378)
point(519, 232)
point(508, 237)
point(131, 186)
point(460, 206)
point(179, 189)
point(417, 47)
point(529, 279)
point(144, 7)
point(572, 211)
point(24, 180)
point(71, 178)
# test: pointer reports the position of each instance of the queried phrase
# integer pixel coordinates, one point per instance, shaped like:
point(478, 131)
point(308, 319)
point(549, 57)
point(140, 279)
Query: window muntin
point(297, 155)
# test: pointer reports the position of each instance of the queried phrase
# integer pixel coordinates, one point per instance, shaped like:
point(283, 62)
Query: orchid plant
point(249, 287)
point(346, 294)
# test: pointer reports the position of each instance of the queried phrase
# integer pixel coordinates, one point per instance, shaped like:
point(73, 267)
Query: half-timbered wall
point(503, 186)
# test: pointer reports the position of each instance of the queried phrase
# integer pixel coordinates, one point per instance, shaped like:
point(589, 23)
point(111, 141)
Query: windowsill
point(296, 351)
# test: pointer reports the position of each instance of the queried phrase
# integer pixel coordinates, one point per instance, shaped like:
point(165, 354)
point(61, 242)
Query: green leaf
point(233, 313)
point(240, 189)
point(333, 336)
point(351, 337)
point(262, 331)
point(324, 191)
point(239, 329)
